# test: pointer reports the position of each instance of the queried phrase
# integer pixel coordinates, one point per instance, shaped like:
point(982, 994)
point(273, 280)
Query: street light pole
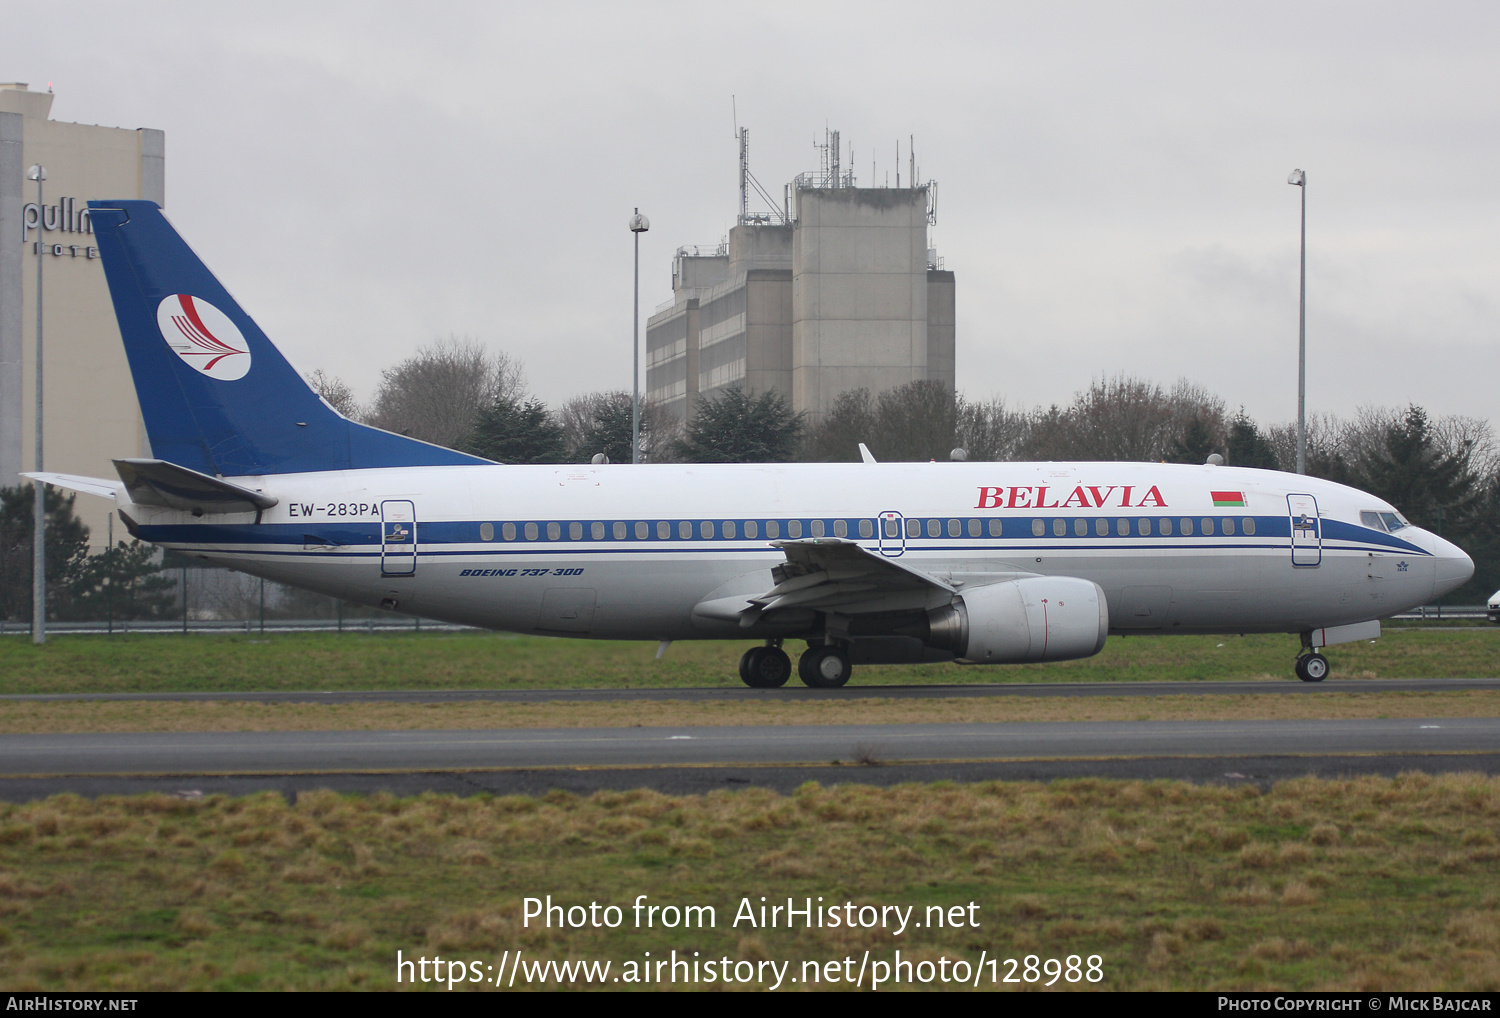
point(38, 173)
point(1299, 179)
point(639, 224)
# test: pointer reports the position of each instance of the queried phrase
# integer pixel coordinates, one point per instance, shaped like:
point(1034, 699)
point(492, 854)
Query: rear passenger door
point(398, 538)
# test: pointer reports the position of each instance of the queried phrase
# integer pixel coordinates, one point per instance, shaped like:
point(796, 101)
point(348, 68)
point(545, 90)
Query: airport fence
point(203, 599)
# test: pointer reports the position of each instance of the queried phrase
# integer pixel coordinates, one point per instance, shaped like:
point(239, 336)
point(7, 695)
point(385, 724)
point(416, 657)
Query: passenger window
point(751, 530)
point(596, 531)
point(531, 531)
point(1228, 525)
point(1249, 525)
point(706, 530)
point(619, 531)
point(663, 531)
point(892, 527)
point(866, 528)
point(840, 528)
point(508, 531)
point(554, 531)
point(729, 529)
point(1059, 528)
point(1208, 528)
point(1101, 528)
point(642, 530)
point(575, 531)
point(955, 529)
point(994, 528)
point(1164, 528)
point(1143, 527)
point(486, 531)
point(913, 528)
point(934, 528)
point(684, 530)
point(816, 528)
point(773, 529)
point(974, 528)
point(1122, 528)
point(1187, 528)
point(1081, 527)
point(1038, 528)
point(794, 529)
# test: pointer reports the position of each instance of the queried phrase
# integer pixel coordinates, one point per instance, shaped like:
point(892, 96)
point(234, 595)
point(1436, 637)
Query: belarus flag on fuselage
point(1228, 499)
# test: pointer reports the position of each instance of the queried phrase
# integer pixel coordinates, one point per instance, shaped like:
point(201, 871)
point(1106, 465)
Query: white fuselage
point(627, 552)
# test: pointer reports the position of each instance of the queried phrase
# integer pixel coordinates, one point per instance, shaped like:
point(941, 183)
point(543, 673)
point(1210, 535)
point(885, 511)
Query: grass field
point(1364, 884)
point(466, 660)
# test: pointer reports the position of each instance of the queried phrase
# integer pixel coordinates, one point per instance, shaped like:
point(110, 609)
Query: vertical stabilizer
point(216, 395)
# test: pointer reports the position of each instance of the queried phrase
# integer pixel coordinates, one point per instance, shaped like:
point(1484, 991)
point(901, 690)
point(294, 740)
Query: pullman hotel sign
point(64, 217)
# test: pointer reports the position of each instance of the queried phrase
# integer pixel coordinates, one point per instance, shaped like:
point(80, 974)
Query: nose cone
point(1453, 567)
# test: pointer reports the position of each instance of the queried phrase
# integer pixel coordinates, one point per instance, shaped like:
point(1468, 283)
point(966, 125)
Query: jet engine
point(1041, 618)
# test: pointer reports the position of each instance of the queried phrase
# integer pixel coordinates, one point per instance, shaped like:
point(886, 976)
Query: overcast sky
point(367, 177)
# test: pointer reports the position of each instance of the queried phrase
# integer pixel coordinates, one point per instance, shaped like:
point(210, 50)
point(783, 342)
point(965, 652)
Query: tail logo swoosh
point(204, 337)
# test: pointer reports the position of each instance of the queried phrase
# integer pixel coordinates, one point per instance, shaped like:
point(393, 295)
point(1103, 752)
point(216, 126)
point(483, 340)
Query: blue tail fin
point(216, 395)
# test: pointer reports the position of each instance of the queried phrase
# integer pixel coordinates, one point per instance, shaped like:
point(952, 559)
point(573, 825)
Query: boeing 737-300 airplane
point(988, 563)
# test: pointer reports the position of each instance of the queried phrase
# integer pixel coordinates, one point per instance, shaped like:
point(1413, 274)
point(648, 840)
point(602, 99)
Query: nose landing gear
point(1312, 667)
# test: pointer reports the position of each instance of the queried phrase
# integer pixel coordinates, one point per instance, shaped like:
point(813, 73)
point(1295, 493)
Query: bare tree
point(598, 422)
point(918, 421)
point(336, 394)
point(850, 421)
point(991, 430)
point(437, 393)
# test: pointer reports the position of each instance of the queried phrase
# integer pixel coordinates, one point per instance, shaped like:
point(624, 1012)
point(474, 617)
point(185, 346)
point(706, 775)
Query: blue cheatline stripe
point(1017, 535)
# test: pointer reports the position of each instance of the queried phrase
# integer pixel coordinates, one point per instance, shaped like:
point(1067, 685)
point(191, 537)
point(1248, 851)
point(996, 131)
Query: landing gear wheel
point(748, 661)
point(765, 667)
point(824, 667)
point(1312, 667)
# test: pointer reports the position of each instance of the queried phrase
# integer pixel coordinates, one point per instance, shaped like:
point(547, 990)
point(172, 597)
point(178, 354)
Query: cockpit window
point(1371, 520)
point(1394, 521)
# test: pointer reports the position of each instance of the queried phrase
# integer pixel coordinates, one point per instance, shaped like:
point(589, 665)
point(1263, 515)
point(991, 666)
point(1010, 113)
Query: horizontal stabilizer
point(77, 482)
point(159, 483)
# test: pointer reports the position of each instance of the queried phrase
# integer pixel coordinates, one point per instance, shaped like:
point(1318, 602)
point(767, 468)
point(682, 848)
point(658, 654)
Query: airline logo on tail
point(204, 337)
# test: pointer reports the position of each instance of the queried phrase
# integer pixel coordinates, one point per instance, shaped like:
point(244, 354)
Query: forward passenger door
point(1307, 530)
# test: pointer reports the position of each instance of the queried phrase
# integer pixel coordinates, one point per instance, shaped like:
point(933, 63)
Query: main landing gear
point(1312, 667)
point(765, 667)
point(821, 666)
point(824, 666)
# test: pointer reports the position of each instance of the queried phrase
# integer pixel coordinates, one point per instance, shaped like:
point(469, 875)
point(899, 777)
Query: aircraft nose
point(1453, 567)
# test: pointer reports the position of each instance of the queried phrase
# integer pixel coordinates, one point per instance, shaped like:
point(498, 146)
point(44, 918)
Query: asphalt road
point(794, 692)
point(689, 760)
point(466, 750)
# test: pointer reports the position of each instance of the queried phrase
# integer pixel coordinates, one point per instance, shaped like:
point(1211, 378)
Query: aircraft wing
point(77, 482)
point(828, 574)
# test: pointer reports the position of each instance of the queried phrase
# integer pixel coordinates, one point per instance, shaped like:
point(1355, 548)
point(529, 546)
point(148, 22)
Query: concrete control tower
point(837, 290)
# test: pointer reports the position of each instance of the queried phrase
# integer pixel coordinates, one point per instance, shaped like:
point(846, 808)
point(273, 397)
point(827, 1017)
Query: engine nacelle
point(1041, 618)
